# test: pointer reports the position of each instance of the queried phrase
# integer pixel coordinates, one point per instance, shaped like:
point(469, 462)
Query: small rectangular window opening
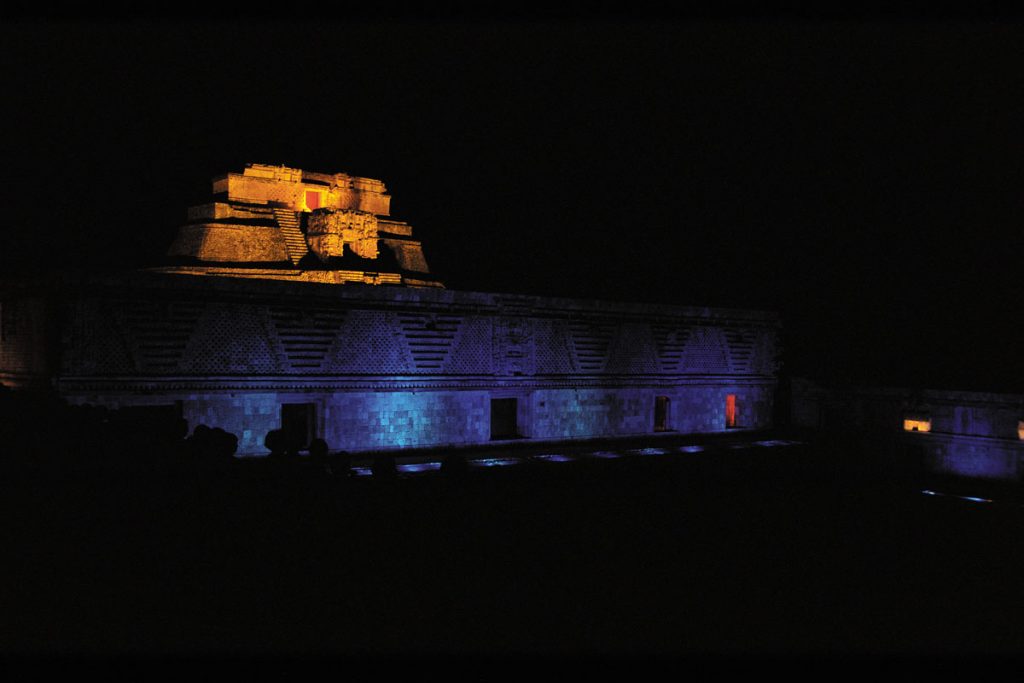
point(917, 424)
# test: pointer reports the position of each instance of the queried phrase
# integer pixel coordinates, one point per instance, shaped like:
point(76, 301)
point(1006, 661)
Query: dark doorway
point(730, 411)
point(661, 406)
point(298, 422)
point(503, 418)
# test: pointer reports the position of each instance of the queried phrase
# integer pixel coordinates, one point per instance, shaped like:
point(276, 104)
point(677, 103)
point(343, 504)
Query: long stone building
point(317, 314)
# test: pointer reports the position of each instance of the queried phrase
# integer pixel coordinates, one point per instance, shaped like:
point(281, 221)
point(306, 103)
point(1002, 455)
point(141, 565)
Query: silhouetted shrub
point(275, 443)
point(318, 455)
point(384, 467)
point(341, 464)
point(454, 465)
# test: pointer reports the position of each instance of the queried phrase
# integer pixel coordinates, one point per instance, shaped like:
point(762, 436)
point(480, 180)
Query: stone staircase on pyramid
point(288, 222)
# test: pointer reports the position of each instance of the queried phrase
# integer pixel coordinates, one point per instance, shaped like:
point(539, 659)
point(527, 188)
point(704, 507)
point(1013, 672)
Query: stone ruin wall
point(411, 369)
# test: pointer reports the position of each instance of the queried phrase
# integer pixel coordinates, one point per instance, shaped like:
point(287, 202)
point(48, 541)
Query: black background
point(862, 177)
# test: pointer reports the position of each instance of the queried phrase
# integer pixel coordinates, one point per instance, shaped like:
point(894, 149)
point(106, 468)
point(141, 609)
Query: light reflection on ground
point(972, 499)
point(417, 468)
point(554, 457)
point(495, 462)
point(647, 451)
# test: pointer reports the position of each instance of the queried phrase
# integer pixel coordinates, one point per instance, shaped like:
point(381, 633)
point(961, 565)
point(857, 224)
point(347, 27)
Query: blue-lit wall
point(973, 457)
point(405, 419)
point(355, 421)
point(360, 421)
point(574, 413)
point(392, 368)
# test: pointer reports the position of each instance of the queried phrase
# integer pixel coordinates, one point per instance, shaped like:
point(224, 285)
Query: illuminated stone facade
point(275, 222)
point(391, 367)
point(275, 343)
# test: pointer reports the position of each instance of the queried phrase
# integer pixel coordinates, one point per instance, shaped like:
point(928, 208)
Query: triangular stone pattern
point(671, 341)
point(429, 338)
point(765, 350)
point(306, 335)
point(590, 344)
point(741, 348)
point(159, 332)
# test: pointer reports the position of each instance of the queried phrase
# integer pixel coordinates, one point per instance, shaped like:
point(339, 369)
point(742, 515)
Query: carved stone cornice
point(407, 383)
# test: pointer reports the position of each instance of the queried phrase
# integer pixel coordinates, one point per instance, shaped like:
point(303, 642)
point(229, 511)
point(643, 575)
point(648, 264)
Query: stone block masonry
point(294, 297)
point(393, 367)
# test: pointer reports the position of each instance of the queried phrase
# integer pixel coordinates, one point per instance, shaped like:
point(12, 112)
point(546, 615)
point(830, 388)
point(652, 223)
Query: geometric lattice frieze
point(590, 343)
point(741, 343)
point(370, 343)
point(306, 334)
point(633, 351)
point(429, 338)
point(159, 331)
point(671, 341)
point(705, 352)
point(551, 346)
point(471, 348)
point(765, 357)
point(231, 339)
point(97, 345)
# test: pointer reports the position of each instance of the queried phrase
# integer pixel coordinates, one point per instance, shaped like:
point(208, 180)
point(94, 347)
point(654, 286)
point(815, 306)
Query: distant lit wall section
point(966, 457)
point(969, 434)
point(917, 425)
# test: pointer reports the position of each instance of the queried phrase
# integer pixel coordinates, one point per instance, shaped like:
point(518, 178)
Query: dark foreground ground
point(757, 551)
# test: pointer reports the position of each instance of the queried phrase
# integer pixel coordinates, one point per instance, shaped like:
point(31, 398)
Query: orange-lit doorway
point(312, 200)
point(730, 411)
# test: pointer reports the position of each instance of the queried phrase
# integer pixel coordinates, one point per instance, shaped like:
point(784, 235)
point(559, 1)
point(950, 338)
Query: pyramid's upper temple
point(285, 223)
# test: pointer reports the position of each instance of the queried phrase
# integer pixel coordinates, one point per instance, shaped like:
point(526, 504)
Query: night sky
point(862, 178)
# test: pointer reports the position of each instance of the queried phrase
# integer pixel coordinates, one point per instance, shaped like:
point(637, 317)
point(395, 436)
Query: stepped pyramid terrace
point(275, 222)
point(294, 302)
